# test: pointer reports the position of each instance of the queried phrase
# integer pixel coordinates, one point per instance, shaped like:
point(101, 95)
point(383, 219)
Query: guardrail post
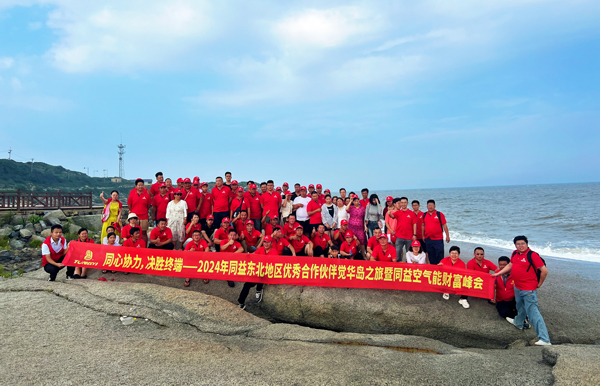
point(91, 194)
point(18, 199)
point(59, 200)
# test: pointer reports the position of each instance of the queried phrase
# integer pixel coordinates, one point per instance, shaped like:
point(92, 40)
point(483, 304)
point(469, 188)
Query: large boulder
point(5, 231)
point(30, 227)
point(74, 228)
point(57, 214)
point(44, 225)
point(25, 233)
point(37, 227)
point(16, 244)
point(91, 221)
point(46, 233)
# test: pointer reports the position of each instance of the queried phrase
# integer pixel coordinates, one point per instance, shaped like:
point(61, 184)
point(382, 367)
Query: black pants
point(219, 216)
point(189, 216)
point(313, 226)
point(306, 229)
point(168, 247)
point(53, 270)
point(246, 290)
point(286, 252)
point(319, 250)
point(507, 308)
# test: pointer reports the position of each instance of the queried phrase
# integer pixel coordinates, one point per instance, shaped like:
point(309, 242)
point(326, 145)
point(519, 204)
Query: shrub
point(70, 236)
point(4, 243)
point(35, 243)
point(34, 219)
point(7, 218)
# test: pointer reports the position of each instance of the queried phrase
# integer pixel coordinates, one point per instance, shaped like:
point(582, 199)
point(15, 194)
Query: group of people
point(303, 222)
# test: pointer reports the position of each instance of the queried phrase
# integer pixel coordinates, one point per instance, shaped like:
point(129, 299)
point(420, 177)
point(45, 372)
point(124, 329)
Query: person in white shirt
point(342, 214)
point(300, 204)
point(111, 229)
point(416, 255)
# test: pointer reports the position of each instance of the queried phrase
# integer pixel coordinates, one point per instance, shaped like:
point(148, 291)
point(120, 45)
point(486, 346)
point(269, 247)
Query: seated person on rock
point(54, 249)
point(132, 221)
point(454, 261)
point(302, 244)
point(251, 238)
point(334, 252)
point(266, 250)
point(384, 251)
point(321, 242)
point(196, 245)
point(161, 237)
point(231, 245)
point(135, 239)
point(82, 237)
point(349, 247)
point(505, 291)
point(281, 244)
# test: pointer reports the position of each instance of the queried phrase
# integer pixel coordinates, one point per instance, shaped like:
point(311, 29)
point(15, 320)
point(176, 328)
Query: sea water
point(559, 220)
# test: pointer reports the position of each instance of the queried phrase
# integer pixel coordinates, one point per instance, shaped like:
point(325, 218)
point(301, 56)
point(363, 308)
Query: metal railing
point(18, 200)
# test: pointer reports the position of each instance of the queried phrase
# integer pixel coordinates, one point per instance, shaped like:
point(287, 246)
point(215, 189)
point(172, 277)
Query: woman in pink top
point(356, 222)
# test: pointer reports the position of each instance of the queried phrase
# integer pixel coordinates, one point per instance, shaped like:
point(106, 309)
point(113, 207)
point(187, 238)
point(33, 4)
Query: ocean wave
point(582, 254)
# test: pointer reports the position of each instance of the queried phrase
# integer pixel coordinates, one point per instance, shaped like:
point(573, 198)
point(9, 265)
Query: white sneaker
point(512, 321)
point(542, 343)
point(446, 296)
point(464, 303)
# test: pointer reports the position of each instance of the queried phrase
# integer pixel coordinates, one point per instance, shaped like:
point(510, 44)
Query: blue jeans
point(402, 244)
point(527, 305)
point(435, 250)
point(371, 226)
point(257, 224)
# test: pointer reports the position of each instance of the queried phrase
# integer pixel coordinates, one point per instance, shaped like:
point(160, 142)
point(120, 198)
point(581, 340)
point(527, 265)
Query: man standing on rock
point(139, 202)
point(154, 189)
point(528, 272)
point(54, 249)
point(222, 196)
point(434, 226)
point(267, 250)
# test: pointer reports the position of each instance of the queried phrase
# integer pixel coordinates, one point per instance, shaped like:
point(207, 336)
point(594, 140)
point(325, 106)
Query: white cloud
point(6, 63)
point(35, 25)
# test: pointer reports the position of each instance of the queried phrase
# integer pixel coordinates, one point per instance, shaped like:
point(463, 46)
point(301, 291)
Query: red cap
point(344, 222)
point(240, 189)
point(288, 193)
point(162, 185)
point(249, 222)
point(196, 180)
point(226, 219)
point(319, 186)
point(278, 188)
point(210, 217)
point(179, 180)
point(354, 196)
point(176, 191)
point(303, 188)
point(274, 218)
point(268, 239)
point(187, 180)
point(285, 184)
point(349, 234)
point(234, 182)
point(204, 183)
point(389, 198)
point(415, 243)
point(384, 236)
point(311, 186)
point(299, 226)
point(252, 186)
point(327, 190)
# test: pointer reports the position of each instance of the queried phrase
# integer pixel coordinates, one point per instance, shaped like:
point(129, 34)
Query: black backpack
point(530, 260)
point(439, 218)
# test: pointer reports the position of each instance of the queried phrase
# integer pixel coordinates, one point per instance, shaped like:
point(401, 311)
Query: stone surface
point(574, 364)
point(30, 227)
point(57, 214)
point(91, 222)
point(17, 227)
point(168, 349)
point(40, 238)
point(5, 232)
point(37, 227)
point(74, 228)
point(54, 221)
point(16, 244)
point(46, 233)
point(44, 225)
point(14, 234)
point(25, 233)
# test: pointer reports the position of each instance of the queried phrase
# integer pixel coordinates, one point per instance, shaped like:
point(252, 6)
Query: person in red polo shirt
point(321, 242)
point(289, 229)
point(196, 244)
point(311, 188)
point(416, 207)
point(238, 203)
point(406, 228)
point(524, 267)
point(302, 244)
point(477, 263)
point(365, 197)
point(196, 183)
point(283, 246)
point(505, 292)
point(251, 238)
point(132, 221)
point(135, 241)
point(206, 204)
point(453, 261)
point(231, 245)
point(384, 251)
point(179, 184)
point(160, 202)
point(321, 195)
point(191, 196)
point(270, 201)
point(373, 242)
point(349, 246)
point(54, 249)
point(161, 236)
point(268, 227)
point(169, 184)
point(253, 205)
point(222, 197)
point(266, 250)
point(434, 224)
point(193, 225)
point(139, 202)
point(314, 209)
point(82, 237)
point(222, 233)
point(154, 189)
point(338, 235)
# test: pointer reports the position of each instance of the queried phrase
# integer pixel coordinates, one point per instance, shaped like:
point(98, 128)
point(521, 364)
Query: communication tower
point(121, 162)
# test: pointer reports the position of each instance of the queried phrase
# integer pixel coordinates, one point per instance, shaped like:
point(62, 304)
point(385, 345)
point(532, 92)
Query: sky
point(379, 94)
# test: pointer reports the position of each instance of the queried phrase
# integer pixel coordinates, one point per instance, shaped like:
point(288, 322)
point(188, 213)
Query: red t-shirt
point(139, 203)
point(340, 236)
point(251, 239)
point(349, 248)
point(221, 234)
point(288, 230)
point(419, 225)
point(372, 243)
point(205, 207)
point(162, 235)
point(202, 246)
point(486, 266)
point(315, 218)
point(253, 202)
point(191, 198)
point(125, 231)
point(433, 229)
point(140, 243)
point(236, 202)
point(280, 244)
point(271, 202)
point(389, 255)
point(160, 203)
point(448, 261)
point(322, 200)
point(404, 223)
point(364, 202)
point(190, 233)
point(221, 198)
point(321, 241)
point(525, 281)
point(268, 229)
point(505, 292)
point(262, 251)
point(232, 248)
point(300, 244)
point(154, 189)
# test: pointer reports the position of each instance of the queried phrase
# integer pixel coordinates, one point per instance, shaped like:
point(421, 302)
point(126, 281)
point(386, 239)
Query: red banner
point(307, 271)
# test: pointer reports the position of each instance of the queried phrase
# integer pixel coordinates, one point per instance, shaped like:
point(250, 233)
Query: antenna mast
point(121, 152)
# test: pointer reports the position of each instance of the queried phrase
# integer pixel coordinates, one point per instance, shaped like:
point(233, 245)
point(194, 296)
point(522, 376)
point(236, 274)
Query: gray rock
point(30, 227)
point(44, 225)
point(14, 235)
point(40, 238)
point(5, 232)
point(57, 214)
point(37, 227)
point(91, 222)
point(574, 364)
point(45, 233)
point(17, 227)
point(74, 228)
point(18, 219)
point(16, 244)
point(54, 221)
point(25, 233)
point(6, 256)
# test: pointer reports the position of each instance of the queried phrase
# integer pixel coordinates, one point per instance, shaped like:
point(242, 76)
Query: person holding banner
point(230, 245)
point(267, 249)
point(416, 256)
point(196, 245)
point(82, 237)
point(161, 237)
point(454, 261)
point(302, 245)
point(321, 242)
point(383, 251)
point(54, 249)
point(192, 226)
